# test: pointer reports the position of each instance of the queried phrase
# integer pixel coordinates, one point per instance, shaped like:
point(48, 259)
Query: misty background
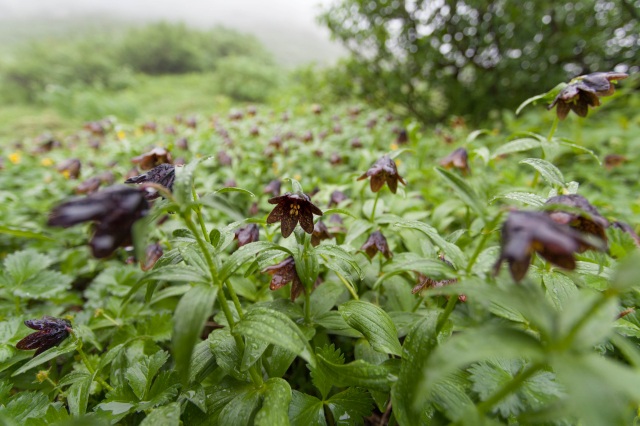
point(288, 28)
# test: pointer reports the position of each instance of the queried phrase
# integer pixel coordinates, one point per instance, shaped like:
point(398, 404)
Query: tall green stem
point(92, 370)
point(373, 210)
point(488, 229)
point(552, 132)
point(199, 214)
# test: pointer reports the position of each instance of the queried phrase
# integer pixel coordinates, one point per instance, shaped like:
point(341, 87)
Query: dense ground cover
point(397, 312)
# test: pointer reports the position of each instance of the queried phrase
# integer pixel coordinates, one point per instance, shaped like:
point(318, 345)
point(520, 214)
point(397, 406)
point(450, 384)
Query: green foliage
point(470, 57)
point(212, 333)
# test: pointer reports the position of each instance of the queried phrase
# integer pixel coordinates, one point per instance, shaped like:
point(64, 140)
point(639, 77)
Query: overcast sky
point(287, 24)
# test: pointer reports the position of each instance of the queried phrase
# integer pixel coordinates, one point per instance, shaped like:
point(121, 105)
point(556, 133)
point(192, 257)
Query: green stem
point(375, 204)
point(485, 237)
point(509, 387)
point(451, 304)
point(552, 131)
point(604, 297)
point(344, 281)
point(92, 370)
point(307, 306)
point(199, 214)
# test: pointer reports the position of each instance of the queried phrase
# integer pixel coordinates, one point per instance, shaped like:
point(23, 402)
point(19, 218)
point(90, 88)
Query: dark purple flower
point(114, 210)
point(336, 198)
point(273, 188)
point(89, 186)
point(320, 232)
point(284, 273)
point(526, 232)
point(458, 159)
point(591, 222)
point(164, 174)
point(70, 168)
point(291, 209)
point(247, 235)
point(383, 170)
point(224, 159)
point(376, 243)
point(403, 137)
point(585, 91)
point(51, 332)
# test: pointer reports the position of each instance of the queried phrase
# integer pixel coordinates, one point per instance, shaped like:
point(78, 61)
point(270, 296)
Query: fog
point(287, 27)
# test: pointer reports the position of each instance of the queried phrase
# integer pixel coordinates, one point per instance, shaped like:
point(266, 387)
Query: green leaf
point(548, 171)
point(24, 233)
point(140, 375)
point(560, 288)
point(357, 228)
point(568, 143)
point(25, 264)
point(335, 324)
point(306, 410)
point(188, 320)
point(175, 273)
point(277, 360)
point(344, 212)
point(351, 406)
point(234, 189)
point(228, 355)
point(245, 254)
point(320, 380)
point(527, 198)
point(307, 268)
point(546, 97)
point(276, 328)
point(601, 391)
point(451, 251)
point(533, 394)
point(337, 252)
point(184, 182)
point(357, 373)
point(242, 409)
point(374, 323)
point(464, 191)
point(254, 348)
point(203, 362)
point(44, 285)
point(26, 405)
point(49, 354)
point(517, 145)
point(416, 350)
point(78, 396)
point(221, 204)
point(325, 297)
point(168, 415)
point(275, 406)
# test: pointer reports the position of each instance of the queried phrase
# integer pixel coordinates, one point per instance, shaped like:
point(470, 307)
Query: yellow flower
point(297, 177)
point(46, 162)
point(42, 375)
point(121, 135)
point(394, 147)
point(138, 133)
point(66, 174)
point(15, 157)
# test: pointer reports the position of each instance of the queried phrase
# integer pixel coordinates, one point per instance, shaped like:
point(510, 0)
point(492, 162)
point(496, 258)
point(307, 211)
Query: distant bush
point(101, 63)
point(247, 79)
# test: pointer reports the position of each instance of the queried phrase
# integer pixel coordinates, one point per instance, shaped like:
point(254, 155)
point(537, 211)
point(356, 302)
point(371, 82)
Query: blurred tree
point(440, 57)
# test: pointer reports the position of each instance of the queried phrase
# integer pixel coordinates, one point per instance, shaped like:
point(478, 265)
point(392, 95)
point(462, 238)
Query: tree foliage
point(435, 58)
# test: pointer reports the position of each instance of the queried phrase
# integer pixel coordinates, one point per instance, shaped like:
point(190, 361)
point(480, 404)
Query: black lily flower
point(284, 273)
point(383, 170)
point(114, 209)
point(320, 232)
point(291, 209)
point(376, 243)
point(458, 159)
point(247, 235)
point(164, 174)
point(585, 91)
point(51, 332)
point(526, 232)
point(591, 223)
point(403, 137)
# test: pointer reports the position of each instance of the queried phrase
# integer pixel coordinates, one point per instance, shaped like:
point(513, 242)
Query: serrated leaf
point(26, 405)
point(517, 145)
point(44, 285)
point(188, 320)
point(374, 323)
point(560, 288)
point(320, 380)
point(168, 415)
point(275, 405)
point(25, 264)
point(548, 171)
point(276, 328)
point(140, 375)
point(464, 191)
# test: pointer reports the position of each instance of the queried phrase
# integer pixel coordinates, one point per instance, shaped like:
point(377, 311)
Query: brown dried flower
point(284, 273)
point(51, 332)
point(247, 235)
point(152, 159)
point(320, 232)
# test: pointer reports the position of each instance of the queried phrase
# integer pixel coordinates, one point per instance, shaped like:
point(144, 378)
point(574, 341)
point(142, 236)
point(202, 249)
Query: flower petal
point(288, 224)
point(276, 214)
